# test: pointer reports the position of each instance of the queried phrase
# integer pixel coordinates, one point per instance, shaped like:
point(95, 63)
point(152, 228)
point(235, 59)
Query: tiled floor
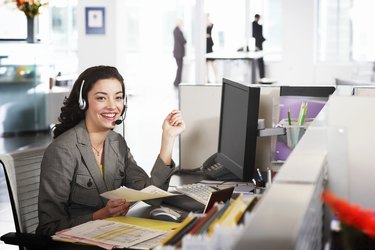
point(148, 106)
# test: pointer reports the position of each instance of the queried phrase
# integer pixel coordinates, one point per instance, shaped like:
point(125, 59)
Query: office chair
point(22, 173)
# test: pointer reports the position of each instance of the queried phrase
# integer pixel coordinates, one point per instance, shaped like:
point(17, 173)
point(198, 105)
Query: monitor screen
point(238, 128)
point(291, 98)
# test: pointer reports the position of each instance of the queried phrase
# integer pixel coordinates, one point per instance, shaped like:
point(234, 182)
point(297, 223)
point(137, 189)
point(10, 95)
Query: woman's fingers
point(117, 207)
point(175, 118)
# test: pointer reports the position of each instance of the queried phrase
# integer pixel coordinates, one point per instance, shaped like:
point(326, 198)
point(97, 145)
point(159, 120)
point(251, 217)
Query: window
point(232, 30)
point(363, 34)
point(228, 17)
point(334, 31)
point(272, 28)
point(56, 28)
point(9, 14)
point(344, 30)
point(63, 36)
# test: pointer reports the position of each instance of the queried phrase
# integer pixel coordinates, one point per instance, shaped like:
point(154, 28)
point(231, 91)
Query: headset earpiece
point(81, 101)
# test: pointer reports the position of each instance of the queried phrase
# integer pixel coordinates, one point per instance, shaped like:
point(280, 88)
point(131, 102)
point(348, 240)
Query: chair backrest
point(22, 173)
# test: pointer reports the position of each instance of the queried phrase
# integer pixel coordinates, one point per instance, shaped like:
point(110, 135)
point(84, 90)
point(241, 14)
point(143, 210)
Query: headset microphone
point(123, 114)
point(118, 122)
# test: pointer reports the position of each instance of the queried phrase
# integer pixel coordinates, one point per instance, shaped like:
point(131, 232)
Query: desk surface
point(225, 55)
point(140, 209)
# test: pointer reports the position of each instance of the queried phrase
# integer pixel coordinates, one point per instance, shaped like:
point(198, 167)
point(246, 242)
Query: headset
point(81, 101)
point(82, 104)
point(123, 114)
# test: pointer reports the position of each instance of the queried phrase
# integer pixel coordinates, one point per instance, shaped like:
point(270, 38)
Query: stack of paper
point(110, 234)
point(132, 195)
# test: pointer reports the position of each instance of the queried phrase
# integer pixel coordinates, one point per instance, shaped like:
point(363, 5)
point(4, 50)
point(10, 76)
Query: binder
point(249, 208)
point(175, 237)
point(204, 221)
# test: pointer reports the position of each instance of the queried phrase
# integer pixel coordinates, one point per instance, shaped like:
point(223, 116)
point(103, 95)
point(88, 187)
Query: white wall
point(107, 49)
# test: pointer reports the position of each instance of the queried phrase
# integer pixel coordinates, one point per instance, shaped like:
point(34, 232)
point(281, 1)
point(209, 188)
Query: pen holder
point(294, 132)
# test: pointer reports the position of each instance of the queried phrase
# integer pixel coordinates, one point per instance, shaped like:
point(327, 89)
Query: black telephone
point(216, 171)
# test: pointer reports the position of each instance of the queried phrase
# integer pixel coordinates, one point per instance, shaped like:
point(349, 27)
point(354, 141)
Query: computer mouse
point(165, 213)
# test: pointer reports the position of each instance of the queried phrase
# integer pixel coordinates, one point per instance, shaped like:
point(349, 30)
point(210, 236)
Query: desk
point(140, 209)
point(252, 56)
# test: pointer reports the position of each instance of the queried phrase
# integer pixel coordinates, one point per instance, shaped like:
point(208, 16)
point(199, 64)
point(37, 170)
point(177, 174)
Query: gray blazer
point(71, 183)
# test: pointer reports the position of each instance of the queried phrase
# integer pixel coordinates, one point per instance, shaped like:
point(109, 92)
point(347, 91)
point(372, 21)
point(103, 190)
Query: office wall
point(106, 49)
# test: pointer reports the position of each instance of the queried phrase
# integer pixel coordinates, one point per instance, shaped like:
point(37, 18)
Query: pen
point(289, 120)
point(260, 175)
point(255, 183)
point(304, 114)
point(300, 114)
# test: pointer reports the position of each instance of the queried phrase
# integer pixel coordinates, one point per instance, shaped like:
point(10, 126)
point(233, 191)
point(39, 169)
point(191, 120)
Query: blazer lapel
point(84, 146)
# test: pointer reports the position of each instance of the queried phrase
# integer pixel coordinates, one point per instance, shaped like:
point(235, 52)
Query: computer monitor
point(238, 128)
point(291, 98)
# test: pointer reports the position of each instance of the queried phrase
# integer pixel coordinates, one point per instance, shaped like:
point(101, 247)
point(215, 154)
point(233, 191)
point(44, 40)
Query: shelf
point(19, 74)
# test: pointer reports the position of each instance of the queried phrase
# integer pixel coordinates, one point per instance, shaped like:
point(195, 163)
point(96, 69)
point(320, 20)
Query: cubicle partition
point(336, 152)
point(200, 105)
point(290, 214)
point(351, 148)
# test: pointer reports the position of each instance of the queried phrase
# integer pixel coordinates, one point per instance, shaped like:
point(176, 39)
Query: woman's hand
point(173, 124)
point(118, 207)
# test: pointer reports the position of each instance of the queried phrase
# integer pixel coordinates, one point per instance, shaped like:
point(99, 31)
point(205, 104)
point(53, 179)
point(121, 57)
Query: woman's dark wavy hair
point(71, 114)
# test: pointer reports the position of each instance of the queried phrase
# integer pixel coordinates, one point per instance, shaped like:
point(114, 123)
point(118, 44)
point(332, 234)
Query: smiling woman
point(89, 158)
point(107, 104)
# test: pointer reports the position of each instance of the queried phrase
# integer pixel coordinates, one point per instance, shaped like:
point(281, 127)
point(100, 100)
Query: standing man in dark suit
point(259, 39)
point(178, 50)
